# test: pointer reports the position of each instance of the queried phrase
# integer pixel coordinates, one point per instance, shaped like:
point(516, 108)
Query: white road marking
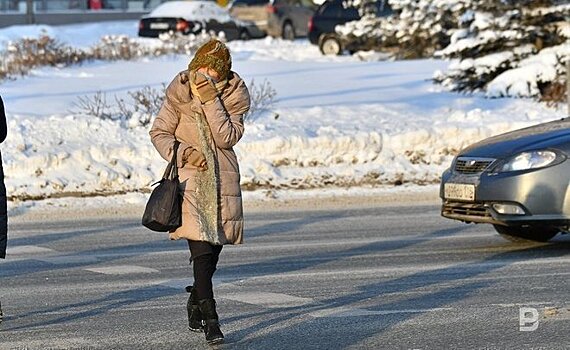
point(356, 312)
point(122, 270)
point(179, 283)
point(531, 303)
point(270, 300)
point(69, 259)
point(27, 249)
point(355, 241)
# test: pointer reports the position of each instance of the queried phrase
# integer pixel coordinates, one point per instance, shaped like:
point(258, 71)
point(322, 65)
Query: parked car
point(251, 10)
point(519, 182)
point(289, 19)
point(191, 17)
point(335, 12)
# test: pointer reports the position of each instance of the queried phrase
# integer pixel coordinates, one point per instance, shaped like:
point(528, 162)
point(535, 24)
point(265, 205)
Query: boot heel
point(212, 329)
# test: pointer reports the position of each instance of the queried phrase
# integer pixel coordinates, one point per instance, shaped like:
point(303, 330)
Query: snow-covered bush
point(518, 49)
point(28, 53)
point(117, 47)
point(176, 43)
point(95, 106)
point(123, 47)
point(143, 105)
point(262, 99)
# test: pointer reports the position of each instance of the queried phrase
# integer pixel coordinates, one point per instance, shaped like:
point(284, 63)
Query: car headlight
point(530, 160)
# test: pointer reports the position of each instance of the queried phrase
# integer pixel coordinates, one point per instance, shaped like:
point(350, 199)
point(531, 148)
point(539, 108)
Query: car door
point(302, 11)
point(329, 16)
point(251, 10)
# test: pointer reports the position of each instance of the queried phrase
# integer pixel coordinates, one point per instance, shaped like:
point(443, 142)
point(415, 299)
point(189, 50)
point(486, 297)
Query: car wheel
point(288, 31)
point(526, 234)
point(244, 35)
point(330, 45)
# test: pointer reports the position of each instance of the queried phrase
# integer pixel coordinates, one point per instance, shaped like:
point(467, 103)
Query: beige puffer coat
point(181, 118)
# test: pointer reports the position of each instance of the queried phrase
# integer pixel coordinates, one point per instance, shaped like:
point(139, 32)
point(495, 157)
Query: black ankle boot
point(194, 313)
point(211, 324)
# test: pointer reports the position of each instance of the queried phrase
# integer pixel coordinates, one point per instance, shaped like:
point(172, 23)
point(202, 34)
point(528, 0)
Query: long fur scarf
point(208, 191)
point(208, 187)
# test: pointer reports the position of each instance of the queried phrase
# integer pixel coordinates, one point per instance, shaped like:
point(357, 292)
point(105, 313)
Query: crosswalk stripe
point(27, 249)
point(270, 300)
point(356, 312)
point(122, 270)
point(69, 259)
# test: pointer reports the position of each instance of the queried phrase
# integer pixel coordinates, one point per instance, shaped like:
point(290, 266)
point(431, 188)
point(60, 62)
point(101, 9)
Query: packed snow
point(337, 122)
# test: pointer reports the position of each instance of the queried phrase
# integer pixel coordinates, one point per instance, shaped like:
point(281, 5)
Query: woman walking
point(203, 110)
point(3, 203)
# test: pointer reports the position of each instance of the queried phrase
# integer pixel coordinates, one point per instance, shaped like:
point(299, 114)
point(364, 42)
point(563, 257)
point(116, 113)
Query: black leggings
point(205, 258)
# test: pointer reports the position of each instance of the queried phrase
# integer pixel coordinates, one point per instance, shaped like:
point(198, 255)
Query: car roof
point(196, 10)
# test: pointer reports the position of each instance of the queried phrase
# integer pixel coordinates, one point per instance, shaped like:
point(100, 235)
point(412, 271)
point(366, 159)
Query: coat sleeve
point(162, 134)
point(3, 126)
point(226, 117)
point(3, 203)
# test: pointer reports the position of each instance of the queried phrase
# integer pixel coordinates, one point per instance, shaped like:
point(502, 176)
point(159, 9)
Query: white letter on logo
point(524, 320)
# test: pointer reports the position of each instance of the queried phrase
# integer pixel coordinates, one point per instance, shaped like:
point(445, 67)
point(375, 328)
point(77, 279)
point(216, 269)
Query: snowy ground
point(338, 122)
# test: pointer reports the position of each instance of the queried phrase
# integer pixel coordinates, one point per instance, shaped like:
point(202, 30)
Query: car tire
point(288, 32)
point(244, 35)
point(521, 234)
point(330, 45)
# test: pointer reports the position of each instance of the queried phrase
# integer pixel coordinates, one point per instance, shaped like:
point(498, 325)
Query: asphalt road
point(366, 278)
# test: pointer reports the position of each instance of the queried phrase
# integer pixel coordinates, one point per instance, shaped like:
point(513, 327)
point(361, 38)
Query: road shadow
point(322, 332)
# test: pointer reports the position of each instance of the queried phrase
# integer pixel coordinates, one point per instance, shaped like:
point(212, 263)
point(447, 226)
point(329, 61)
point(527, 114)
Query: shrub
point(262, 99)
point(28, 53)
point(25, 54)
point(95, 106)
point(139, 110)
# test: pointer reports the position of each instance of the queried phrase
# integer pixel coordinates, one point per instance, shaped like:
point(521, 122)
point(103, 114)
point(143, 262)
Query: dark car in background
point(251, 10)
point(518, 182)
point(289, 19)
point(335, 12)
point(192, 17)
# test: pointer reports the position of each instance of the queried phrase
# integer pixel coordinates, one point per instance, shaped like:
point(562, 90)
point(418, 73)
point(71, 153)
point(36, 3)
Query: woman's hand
point(197, 159)
point(202, 83)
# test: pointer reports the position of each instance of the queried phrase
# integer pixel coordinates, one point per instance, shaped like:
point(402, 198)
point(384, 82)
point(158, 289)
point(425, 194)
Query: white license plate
point(464, 192)
point(159, 26)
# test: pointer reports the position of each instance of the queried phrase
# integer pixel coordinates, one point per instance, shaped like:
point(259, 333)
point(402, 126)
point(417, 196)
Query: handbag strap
point(171, 171)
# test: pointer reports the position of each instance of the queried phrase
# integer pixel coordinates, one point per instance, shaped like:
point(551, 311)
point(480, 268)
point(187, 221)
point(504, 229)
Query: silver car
point(289, 19)
point(518, 182)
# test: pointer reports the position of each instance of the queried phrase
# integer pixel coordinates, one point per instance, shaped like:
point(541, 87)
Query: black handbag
point(163, 211)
